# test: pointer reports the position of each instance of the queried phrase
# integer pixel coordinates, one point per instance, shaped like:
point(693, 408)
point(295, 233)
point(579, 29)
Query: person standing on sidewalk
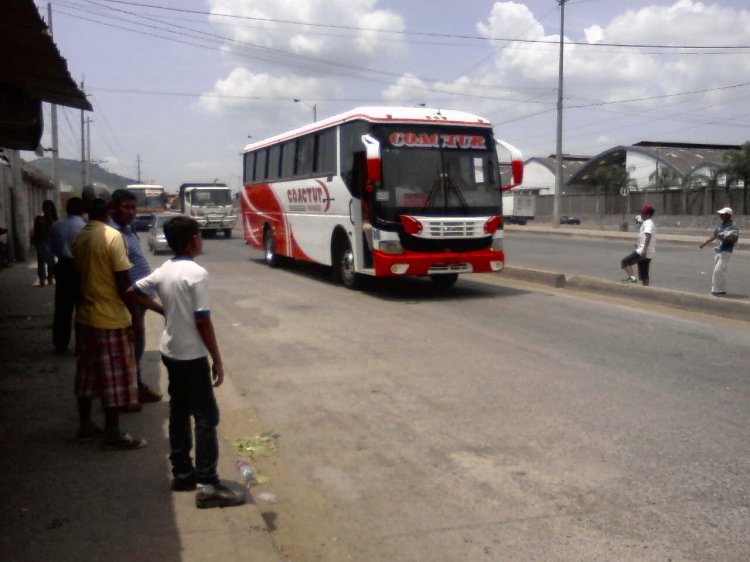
point(124, 203)
point(62, 235)
point(726, 236)
point(644, 250)
point(105, 360)
point(45, 259)
point(187, 340)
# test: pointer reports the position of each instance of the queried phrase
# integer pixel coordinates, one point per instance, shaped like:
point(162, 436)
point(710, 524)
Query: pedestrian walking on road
point(105, 360)
point(187, 340)
point(644, 249)
point(40, 238)
point(124, 204)
point(62, 236)
point(726, 236)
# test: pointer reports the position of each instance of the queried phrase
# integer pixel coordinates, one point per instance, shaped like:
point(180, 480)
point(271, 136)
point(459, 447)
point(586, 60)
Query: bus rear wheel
point(269, 249)
point(445, 280)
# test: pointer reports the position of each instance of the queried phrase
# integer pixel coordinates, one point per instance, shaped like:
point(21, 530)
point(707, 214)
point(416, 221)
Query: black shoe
point(217, 495)
point(718, 293)
point(184, 483)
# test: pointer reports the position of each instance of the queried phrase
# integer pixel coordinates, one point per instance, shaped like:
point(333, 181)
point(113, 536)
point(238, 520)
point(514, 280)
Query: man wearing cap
point(105, 360)
point(726, 236)
point(644, 250)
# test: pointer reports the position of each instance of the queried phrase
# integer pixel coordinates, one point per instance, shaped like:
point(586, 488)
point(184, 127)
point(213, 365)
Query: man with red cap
point(726, 236)
point(644, 250)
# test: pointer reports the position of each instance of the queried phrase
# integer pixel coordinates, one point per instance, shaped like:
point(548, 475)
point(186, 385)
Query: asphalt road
point(683, 268)
point(485, 423)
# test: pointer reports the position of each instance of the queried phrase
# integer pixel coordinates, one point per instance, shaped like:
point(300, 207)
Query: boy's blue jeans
point(191, 393)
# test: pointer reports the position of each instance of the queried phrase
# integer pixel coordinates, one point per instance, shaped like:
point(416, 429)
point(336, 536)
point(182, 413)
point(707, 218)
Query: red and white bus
point(380, 191)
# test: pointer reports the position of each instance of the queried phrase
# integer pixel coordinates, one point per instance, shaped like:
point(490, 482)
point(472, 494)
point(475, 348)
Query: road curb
point(551, 278)
point(726, 307)
point(715, 306)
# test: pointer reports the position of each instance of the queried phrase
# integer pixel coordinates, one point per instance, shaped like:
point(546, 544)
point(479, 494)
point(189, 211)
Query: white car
point(157, 242)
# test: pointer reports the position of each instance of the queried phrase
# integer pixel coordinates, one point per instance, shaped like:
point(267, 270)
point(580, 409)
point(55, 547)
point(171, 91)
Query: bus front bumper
point(408, 263)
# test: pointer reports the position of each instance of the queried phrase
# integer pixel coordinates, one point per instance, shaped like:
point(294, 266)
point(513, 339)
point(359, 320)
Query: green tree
point(737, 168)
point(697, 189)
point(610, 179)
point(667, 178)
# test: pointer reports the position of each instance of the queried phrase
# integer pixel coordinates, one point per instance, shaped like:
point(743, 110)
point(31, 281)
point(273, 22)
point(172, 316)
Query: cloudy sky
point(186, 84)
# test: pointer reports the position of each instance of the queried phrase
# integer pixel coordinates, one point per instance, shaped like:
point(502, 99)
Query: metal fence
point(700, 202)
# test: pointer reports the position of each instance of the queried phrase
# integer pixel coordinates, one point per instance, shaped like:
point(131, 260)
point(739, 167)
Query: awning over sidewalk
point(31, 71)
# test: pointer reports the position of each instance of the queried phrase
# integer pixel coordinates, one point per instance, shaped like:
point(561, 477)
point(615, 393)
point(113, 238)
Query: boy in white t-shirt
point(187, 340)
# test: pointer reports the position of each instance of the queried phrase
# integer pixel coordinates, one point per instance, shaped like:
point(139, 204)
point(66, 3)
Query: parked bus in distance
point(151, 200)
point(380, 191)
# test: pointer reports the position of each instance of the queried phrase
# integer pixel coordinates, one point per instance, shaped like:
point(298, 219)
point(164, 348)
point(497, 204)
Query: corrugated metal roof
point(570, 164)
point(30, 60)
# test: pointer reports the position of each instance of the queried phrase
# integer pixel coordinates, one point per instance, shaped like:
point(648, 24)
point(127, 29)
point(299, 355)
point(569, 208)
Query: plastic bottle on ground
point(247, 472)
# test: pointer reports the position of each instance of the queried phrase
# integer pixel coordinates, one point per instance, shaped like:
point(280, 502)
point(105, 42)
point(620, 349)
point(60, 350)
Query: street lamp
point(314, 107)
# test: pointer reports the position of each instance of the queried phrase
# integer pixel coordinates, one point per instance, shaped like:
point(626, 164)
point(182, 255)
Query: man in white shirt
point(644, 250)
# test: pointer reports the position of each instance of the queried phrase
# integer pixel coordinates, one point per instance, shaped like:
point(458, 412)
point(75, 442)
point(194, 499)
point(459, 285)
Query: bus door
point(367, 175)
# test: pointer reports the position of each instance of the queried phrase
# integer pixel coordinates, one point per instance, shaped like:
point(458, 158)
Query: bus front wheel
point(344, 270)
point(269, 249)
point(445, 281)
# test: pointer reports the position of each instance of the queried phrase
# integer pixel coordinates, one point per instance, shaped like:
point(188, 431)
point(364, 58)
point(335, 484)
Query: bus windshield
point(437, 172)
point(148, 197)
point(211, 197)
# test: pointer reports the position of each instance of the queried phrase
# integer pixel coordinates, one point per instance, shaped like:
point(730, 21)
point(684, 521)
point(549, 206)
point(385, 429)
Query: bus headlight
point(497, 245)
point(390, 247)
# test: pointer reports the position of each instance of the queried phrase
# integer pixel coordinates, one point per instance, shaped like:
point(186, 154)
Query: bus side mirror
point(372, 149)
point(516, 165)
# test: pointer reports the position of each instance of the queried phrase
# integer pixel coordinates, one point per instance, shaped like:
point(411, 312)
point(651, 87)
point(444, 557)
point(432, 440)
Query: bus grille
point(456, 228)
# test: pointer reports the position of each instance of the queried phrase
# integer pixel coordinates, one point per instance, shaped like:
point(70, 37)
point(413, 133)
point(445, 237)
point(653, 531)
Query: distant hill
point(70, 174)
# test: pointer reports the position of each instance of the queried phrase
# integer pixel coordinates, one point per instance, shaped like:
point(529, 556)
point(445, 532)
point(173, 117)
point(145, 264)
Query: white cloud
point(299, 61)
point(262, 100)
point(355, 46)
point(612, 73)
point(593, 34)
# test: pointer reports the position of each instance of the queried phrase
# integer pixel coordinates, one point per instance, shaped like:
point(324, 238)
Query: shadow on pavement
point(63, 499)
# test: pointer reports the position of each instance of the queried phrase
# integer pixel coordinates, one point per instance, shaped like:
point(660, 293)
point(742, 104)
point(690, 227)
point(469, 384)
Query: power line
point(336, 68)
point(426, 34)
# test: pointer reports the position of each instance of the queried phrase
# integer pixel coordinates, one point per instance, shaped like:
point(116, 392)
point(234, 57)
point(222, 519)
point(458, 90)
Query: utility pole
point(88, 150)
point(138, 162)
point(83, 148)
point(559, 152)
point(55, 144)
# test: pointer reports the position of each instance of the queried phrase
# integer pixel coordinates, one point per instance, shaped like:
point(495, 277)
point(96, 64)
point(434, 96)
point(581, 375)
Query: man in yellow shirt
point(105, 357)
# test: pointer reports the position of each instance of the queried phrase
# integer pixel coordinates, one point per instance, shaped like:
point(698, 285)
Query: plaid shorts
point(106, 365)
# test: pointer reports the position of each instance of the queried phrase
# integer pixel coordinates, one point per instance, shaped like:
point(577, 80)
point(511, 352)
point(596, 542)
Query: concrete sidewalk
point(665, 235)
point(64, 500)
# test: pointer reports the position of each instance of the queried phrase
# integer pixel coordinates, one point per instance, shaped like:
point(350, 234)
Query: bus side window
point(325, 152)
point(359, 176)
point(248, 172)
point(287, 160)
point(259, 173)
point(305, 154)
point(274, 160)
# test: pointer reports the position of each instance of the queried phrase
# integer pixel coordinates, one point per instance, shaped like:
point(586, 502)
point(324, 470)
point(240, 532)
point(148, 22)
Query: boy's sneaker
point(217, 495)
point(630, 279)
